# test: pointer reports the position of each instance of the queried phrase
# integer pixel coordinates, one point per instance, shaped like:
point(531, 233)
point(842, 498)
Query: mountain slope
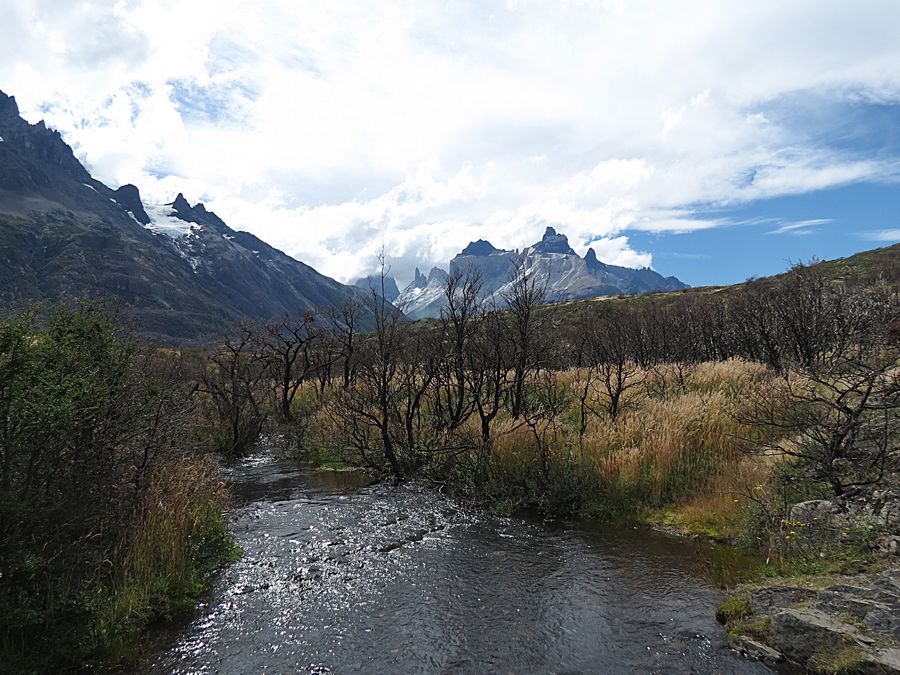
point(551, 262)
point(178, 271)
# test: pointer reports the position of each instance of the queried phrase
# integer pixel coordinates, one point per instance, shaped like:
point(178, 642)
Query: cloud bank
point(332, 129)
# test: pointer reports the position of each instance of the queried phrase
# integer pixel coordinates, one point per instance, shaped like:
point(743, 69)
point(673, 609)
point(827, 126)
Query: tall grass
point(177, 536)
point(676, 439)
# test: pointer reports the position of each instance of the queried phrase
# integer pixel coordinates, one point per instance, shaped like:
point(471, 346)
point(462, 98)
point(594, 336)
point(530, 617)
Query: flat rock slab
point(756, 650)
point(800, 633)
point(886, 662)
point(769, 599)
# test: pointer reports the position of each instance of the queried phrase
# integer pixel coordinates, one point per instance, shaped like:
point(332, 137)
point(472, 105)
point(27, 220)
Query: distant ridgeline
point(178, 273)
point(551, 262)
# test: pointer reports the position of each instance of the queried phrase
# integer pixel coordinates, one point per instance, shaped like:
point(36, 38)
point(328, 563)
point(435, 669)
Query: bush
point(91, 430)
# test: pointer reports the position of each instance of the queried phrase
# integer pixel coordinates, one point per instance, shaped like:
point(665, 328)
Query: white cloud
point(331, 128)
point(889, 236)
point(801, 227)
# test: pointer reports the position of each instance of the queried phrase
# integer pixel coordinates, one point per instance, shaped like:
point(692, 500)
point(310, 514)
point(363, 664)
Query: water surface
point(343, 576)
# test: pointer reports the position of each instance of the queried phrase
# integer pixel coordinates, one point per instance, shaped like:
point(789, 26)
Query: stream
point(342, 576)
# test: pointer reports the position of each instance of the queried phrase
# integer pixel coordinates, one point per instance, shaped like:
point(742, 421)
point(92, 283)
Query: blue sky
point(711, 139)
point(768, 235)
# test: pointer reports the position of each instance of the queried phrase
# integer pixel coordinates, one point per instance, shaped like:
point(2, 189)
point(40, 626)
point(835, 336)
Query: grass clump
point(177, 537)
point(759, 629)
point(836, 660)
point(734, 608)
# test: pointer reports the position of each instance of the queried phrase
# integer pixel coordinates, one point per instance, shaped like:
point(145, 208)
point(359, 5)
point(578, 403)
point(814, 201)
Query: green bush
point(89, 426)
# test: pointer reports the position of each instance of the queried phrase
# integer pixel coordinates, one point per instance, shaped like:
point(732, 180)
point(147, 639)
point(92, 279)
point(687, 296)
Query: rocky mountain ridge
point(551, 261)
point(177, 272)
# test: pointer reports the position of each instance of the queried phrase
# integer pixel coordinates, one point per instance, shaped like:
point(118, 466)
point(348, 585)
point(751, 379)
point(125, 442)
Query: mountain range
point(178, 273)
point(551, 262)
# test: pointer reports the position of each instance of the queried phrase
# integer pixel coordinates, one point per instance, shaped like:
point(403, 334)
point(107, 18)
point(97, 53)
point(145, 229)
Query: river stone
point(886, 662)
point(798, 633)
point(770, 598)
point(756, 650)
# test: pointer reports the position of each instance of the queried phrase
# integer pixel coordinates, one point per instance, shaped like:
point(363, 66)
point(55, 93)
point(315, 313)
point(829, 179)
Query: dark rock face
point(184, 210)
point(65, 235)
point(373, 283)
point(479, 248)
point(130, 198)
point(43, 144)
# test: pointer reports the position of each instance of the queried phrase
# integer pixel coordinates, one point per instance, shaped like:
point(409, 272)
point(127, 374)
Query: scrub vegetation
point(713, 411)
point(110, 514)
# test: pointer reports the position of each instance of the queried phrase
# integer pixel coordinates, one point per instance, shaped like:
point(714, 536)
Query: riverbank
point(839, 612)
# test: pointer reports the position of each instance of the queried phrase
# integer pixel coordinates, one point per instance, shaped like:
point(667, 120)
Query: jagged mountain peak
point(419, 280)
point(437, 275)
point(373, 282)
point(38, 142)
point(481, 247)
point(552, 242)
point(180, 204)
point(552, 261)
point(129, 198)
point(590, 258)
point(8, 106)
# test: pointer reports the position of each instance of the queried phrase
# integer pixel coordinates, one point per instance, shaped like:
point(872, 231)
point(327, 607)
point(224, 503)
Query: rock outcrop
point(851, 627)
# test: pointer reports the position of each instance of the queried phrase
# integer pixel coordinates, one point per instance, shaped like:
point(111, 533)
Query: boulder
point(756, 650)
point(771, 598)
point(884, 662)
point(799, 634)
point(815, 510)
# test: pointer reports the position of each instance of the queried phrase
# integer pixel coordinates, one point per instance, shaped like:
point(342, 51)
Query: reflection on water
point(341, 575)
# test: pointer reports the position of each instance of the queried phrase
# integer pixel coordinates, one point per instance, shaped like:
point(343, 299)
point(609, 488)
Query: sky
point(710, 139)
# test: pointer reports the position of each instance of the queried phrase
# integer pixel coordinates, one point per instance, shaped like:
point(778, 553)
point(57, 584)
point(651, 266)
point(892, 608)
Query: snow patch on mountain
point(163, 220)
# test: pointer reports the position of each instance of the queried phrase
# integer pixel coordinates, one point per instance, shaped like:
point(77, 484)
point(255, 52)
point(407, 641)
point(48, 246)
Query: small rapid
point(341, 575)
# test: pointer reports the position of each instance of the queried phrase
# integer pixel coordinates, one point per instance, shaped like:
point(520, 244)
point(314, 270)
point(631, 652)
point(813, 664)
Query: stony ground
point(846, 625)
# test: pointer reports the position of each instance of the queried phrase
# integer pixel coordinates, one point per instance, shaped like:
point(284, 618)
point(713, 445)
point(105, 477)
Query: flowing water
point(342, 576)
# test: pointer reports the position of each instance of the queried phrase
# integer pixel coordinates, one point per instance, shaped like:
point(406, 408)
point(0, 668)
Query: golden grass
point(681, 447)
point(664, 448)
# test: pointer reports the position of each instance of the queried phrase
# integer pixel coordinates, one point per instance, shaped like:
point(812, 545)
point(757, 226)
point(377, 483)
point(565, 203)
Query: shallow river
point(340, 576)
